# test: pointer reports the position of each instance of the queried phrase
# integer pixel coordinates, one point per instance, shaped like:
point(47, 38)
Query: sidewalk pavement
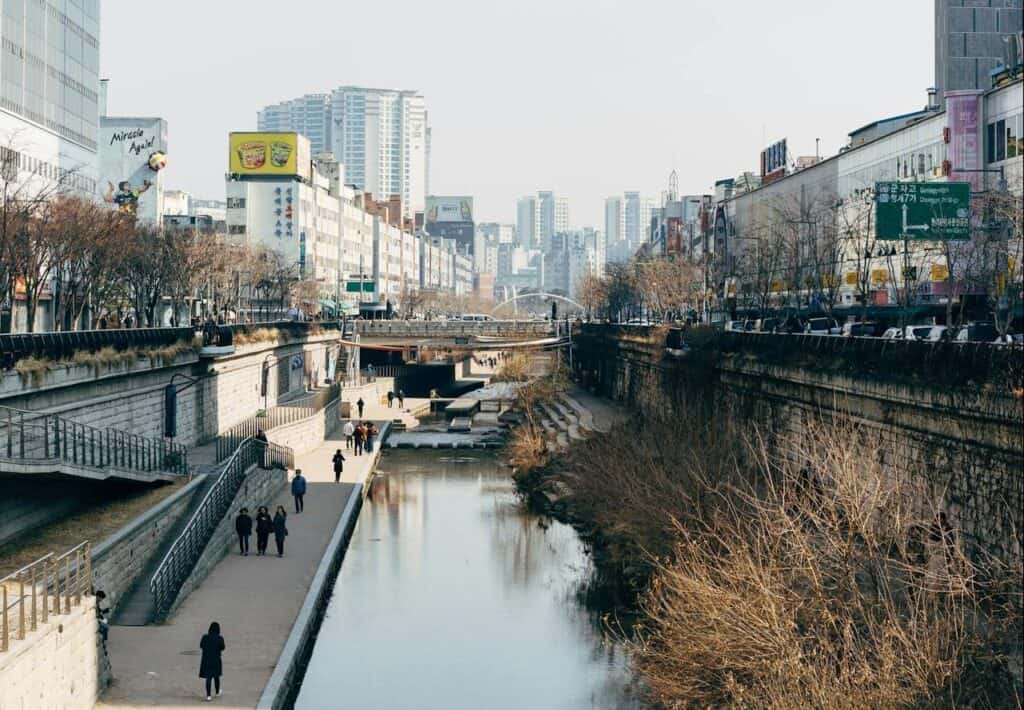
point(255, 600)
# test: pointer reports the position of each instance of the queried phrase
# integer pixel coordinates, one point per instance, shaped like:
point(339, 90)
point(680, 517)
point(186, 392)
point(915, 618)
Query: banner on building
point(673, 236)
point(451, 218)
point(269, 154)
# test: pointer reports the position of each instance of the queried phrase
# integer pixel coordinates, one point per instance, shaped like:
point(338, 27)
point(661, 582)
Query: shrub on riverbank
point(824, 582)
point(787, 572)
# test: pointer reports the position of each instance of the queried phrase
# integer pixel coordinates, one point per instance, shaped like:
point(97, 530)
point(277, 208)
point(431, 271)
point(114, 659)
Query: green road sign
point(928, 211)
point(353, 286)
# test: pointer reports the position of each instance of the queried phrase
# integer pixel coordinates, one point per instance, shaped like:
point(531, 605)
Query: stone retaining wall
point(963, 439)
point(56, 665)
point(259, 487)
point(307, 434)
point(118, 561)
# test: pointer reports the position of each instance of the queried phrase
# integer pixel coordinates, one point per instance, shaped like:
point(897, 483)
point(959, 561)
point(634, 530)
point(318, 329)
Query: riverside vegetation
point(773, 573)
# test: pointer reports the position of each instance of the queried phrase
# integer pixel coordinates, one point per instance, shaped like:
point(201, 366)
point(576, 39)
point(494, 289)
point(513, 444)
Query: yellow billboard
point(939, 272)
point(269, 154)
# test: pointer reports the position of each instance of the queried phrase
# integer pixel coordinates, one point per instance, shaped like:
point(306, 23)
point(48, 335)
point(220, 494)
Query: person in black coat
point(339, 463)
point(280, 529)
point(243, 526)
point(210, 666)
point(264, 525)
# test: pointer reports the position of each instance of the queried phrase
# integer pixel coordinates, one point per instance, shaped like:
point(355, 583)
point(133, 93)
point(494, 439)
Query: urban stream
point(452, 595)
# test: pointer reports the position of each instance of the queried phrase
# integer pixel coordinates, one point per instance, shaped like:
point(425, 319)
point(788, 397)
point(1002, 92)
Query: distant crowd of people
point(359, 438)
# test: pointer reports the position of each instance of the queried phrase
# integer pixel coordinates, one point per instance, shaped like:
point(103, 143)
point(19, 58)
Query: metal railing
point(31, 436)
point(63, 344)
point(50, 585)
point(274, 417)
point(183, 554)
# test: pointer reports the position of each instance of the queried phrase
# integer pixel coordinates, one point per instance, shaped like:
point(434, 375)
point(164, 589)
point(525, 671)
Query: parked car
point(822, 326)
point(862, 329)
point(939, 333)
point(735, 326)
point(976, 333)
point(766, 325)
point(918, 332)
point(893, 334)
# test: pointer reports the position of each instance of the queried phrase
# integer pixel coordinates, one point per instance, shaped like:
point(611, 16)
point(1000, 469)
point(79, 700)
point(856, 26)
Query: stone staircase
point(564, 420)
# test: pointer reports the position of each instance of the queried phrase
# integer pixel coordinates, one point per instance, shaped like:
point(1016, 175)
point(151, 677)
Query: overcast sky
point(585, 97)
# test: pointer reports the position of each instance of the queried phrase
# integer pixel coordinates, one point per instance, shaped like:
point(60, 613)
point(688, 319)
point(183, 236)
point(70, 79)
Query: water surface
point(453, 596)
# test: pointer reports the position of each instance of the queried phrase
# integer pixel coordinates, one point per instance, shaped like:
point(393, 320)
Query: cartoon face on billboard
point(125, 196)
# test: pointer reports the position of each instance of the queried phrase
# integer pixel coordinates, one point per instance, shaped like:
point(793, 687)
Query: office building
point(49, 121)
point(973, 37)
point(526, 209)
point(309, 115)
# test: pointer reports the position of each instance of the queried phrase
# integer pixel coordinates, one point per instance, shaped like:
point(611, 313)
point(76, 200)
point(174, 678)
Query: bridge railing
point(50, 585)
point(181, 558)
point(31, 436)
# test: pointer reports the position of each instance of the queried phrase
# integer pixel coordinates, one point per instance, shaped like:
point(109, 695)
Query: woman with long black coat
point(210, 666)
point(264, 526)
point(280, 529)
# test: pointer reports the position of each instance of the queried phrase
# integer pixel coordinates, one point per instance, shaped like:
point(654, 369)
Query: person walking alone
point(339, 463)
point(359, 405)
point(210, 666)
point(261, 442)
point(349, 431)
point(298, 489)
point(280, 529)
point(401, 399)
point(391, 398)
point(243, 526)
point(264, 525)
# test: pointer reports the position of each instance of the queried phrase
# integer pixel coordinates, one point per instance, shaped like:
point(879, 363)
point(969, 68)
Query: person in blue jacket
point(298, 489)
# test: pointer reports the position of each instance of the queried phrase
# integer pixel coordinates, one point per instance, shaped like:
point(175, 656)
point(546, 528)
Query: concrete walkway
point(255, 600)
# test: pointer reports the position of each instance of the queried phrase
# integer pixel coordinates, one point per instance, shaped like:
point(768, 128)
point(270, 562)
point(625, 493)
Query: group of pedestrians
point(392, 396)
point(265, 525)
point(359, 437)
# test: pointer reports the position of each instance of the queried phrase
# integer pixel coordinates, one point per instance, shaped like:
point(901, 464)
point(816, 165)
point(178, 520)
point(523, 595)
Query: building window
point(236, 202)
point(236, 229)
point(1013, 137)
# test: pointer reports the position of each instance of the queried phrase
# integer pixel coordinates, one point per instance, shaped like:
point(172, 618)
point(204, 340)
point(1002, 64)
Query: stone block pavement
point(255, 600)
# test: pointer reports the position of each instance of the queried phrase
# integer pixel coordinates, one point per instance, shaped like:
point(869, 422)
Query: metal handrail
point(28, 435)
point(186, 549)
point(229, 440)
point(54, 585)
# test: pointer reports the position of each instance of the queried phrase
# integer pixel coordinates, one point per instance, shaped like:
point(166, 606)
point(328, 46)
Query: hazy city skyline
point(600, 98)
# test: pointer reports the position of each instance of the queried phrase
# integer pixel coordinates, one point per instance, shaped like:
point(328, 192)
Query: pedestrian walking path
point(255, 600)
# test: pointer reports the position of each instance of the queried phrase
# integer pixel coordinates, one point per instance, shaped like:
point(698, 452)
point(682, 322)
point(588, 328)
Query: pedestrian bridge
point(454, 328)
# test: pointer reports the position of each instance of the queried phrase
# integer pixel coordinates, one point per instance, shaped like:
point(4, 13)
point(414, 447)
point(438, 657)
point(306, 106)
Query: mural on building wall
point(133, 155)
point(125, 196)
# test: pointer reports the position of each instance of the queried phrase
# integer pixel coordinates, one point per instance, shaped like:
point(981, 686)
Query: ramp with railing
point(229, 440)
point(180, 559)
point(35, 442)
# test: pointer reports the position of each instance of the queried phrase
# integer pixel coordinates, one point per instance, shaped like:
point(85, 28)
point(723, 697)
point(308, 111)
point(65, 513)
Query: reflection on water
point(453, 596)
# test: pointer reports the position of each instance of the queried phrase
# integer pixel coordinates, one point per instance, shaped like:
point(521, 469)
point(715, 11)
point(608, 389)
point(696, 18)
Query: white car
point(938, 333)
point(920, 332)
point(893, 334)
point(738, 326)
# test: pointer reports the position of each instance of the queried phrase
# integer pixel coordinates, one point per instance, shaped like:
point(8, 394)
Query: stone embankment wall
point(118, 561)
point(56, 665)
point(948, 413)
point(130, 396)
point(259, 487)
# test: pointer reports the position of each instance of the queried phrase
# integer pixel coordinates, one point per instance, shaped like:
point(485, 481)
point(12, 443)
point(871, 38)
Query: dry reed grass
point(825, 581)
point(260, 335)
